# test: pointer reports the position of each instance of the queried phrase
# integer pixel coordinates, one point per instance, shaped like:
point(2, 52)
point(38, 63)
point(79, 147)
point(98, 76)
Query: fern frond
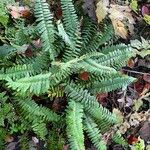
point(117, 138)
point(16, 72)
point(115, 56)
point(70, 19)
point(24, 142)
point(45, 26)
point(107, 85)
point(99, 39)
point(90, 104)
point(30, 110)
point(37, 84)
point(93, 67)
point(89, 30)
point(75, 126)
point(94, 133)
point(56, 92)
point(39, 128)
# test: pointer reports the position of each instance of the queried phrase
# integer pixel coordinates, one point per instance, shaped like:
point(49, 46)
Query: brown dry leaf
point(122, 14)
point(145, 131)
point(102, 9)
point(9, 138)
point(146, 77)
point(19, 11)
point(120, 29)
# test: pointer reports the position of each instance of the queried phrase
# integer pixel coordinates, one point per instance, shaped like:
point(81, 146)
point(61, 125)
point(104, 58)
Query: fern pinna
point(68, 49)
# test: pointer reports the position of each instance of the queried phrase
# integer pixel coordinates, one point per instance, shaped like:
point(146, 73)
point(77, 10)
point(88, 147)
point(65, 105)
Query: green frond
point(99, 39)
point(117, 138)
point(72, 52)
point(39, 128)
point(93, 67)
point(30, 110)
point(70, 19)
point(74, 126)
point(24, 142)
point(16, 72)
point(39, 63)
point(56, 92)
point(88, 31)
point(45, 26)
point(107, 85)
point(115, 56)
point(40, 84)
point(36, 84)
point(90, 104)
point(94, 133)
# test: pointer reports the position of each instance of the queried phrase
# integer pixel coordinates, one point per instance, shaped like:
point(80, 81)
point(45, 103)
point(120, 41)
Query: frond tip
point(45, 26)
point(75, 126)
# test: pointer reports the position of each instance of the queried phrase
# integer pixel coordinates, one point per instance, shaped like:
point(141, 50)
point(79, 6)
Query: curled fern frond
point(74, 125)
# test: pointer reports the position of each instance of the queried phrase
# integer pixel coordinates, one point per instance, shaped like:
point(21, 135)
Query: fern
point(119, 139)
point(45, 26)
point(90, 104)
point(74, 126)
point(70, 18)
point(30, 108)
point(93, 132)
point(111, 84)
point(54, 71)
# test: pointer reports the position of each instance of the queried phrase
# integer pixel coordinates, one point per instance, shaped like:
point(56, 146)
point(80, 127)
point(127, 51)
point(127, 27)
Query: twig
point(136, 72)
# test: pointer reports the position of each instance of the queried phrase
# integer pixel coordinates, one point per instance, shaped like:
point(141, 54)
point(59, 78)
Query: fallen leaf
point(9, 138)
point(146, 77)
point(134, 5)
point(19, 11)
point(101, 97)
point(102, 9)
point(89, 8)
point(84, 76)
point(119, 14)
point(130, 63)
point(137, 104)
point(120, 29)
point(132, 139)
point(145, 10)
point(145, 131)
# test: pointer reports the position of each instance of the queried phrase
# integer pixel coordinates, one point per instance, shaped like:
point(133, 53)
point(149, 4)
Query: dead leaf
point(132, 139)
point(102, 9)
point(101, 97)
point(145, 131)
point(84, 76)
point(120, 29)
point(19, 11)
point(146, 77)
point(122, 14)
point(130, 63)
point(9, 138)
point(89, 8)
